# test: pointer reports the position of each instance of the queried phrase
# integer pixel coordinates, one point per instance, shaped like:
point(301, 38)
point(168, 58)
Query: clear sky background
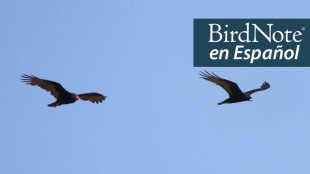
point(159, 116)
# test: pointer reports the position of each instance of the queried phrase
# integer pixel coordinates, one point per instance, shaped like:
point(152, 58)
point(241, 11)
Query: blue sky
point(159, 116)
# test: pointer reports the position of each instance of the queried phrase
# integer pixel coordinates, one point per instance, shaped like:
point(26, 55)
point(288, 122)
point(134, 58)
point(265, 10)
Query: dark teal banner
point(251, 43)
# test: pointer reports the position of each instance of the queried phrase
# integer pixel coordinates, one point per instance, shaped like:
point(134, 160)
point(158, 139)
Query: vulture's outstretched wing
point(93, 97)
point(50, 86)
point(264, 86)
point(230, 87)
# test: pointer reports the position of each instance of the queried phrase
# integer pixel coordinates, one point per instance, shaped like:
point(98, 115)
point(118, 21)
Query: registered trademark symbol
point(303, 28)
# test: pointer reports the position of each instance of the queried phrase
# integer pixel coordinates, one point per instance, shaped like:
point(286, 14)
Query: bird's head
point(77, 97)
point(250, 98)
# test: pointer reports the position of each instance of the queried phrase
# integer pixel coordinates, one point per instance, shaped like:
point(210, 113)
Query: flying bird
point(235, 94)
point(59, 92)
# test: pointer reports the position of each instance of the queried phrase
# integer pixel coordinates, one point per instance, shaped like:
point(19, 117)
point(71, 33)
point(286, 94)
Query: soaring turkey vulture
point(235, 94)
point(62, 95)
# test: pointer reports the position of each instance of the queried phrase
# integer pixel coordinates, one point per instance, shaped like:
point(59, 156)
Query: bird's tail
point(53, 104)
point(221, 103)
point(225, 101)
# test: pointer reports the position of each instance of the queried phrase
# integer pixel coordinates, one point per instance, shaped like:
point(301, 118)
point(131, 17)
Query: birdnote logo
point(251, 42)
